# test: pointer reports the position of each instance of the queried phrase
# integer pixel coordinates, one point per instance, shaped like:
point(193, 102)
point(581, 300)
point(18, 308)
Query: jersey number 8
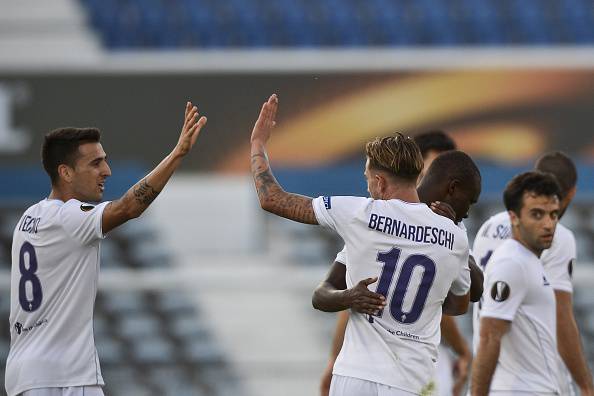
point(28, 275)
point(390, 260)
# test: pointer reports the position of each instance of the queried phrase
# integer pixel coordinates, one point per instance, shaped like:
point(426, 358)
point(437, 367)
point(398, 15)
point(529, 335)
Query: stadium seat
point(344, 23)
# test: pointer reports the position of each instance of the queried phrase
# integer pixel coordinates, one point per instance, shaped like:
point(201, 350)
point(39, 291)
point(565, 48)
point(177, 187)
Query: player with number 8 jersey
point(56, 254)
point(55, 261)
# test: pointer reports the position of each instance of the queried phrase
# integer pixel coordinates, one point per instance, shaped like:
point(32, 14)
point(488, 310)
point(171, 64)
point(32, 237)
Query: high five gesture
point(143, 193)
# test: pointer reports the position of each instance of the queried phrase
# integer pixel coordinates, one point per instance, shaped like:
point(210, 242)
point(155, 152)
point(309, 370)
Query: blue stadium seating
point(128, 24)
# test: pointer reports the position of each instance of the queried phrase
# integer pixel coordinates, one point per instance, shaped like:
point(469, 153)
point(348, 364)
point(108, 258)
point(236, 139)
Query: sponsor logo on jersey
point(86, 207)
point(23, 330)
point(327, 202)
point(404, 334)
point(545, 282)
point(570, 268)
point(500, 291)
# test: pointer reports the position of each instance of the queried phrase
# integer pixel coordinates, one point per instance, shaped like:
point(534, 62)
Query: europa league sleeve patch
point(500, 291)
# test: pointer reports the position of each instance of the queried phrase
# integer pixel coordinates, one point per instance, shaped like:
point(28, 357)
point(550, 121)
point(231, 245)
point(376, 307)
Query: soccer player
point(332, 294)
point(517, 349)
point(558, 263)
point(419, 257)
point(55, 261)
point(431, 144)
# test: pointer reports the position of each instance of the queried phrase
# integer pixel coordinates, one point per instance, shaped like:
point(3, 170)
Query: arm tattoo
point(291, 206)
point(144, 193)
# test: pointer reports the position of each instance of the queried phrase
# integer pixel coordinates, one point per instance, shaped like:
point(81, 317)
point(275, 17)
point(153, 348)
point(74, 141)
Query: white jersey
point(444, 377)
point(55, 268)
point(419, 257)
point(517, 290)
point(557, 261)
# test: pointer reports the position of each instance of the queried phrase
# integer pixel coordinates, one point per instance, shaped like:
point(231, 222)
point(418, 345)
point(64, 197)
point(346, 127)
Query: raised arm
point(272, 197)
point(135, 201)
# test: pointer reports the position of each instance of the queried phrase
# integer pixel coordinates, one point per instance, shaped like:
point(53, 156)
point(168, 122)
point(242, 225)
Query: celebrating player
point(558, 264)
point(55, 261)
point(419, 257)
point(431, 144)
point(521, 358)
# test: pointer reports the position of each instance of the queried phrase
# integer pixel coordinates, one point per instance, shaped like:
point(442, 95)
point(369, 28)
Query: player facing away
point(419, 257)
point(55, 261)
point(558, 264)
point(431, 145)
point(442, 183)
point(517, 350)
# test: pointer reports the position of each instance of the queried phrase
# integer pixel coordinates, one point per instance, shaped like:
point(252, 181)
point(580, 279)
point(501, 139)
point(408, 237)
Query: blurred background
point(206, 294)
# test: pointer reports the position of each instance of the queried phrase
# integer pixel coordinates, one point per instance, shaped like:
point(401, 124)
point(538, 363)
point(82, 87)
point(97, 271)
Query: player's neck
point(59, 194)
point(518, 238)
point(403, 193)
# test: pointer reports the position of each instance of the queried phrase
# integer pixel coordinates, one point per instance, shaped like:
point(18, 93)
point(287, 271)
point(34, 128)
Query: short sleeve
point(505, 289)
point(461, 284)
point(341, 256)
point(559, 259)
point(82, 221)
point(336, 212)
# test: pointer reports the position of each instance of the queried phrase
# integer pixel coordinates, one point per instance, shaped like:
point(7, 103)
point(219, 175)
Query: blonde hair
point(398, 155)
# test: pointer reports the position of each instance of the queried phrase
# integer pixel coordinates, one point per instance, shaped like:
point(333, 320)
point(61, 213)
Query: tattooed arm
point(272, 197)
point(142, 194)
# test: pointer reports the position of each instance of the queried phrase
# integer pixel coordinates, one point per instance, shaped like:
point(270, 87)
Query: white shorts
point(93, 390)
point(349, 386)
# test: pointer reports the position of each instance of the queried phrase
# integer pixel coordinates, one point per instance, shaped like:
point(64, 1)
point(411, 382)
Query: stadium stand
point(128, 24)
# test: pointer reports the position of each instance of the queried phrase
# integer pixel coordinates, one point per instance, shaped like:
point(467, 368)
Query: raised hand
point(193, 123)
point(364, 301)
point(266, 121)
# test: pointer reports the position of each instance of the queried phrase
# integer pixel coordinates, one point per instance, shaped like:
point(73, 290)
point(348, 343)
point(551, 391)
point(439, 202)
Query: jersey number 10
point(28, 275)
point(390, 260)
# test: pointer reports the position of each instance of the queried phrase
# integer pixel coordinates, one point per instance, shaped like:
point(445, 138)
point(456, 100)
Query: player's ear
point(380, 182)
point(65, 172)
point(513, 218)
point(452, 186)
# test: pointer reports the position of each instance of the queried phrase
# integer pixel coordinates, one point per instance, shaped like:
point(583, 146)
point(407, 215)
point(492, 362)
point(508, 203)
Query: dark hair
point(538, 183)
point(434, 140)
point(453, 164)
point(60, 146)
point(562, 167)
point(398, 155)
